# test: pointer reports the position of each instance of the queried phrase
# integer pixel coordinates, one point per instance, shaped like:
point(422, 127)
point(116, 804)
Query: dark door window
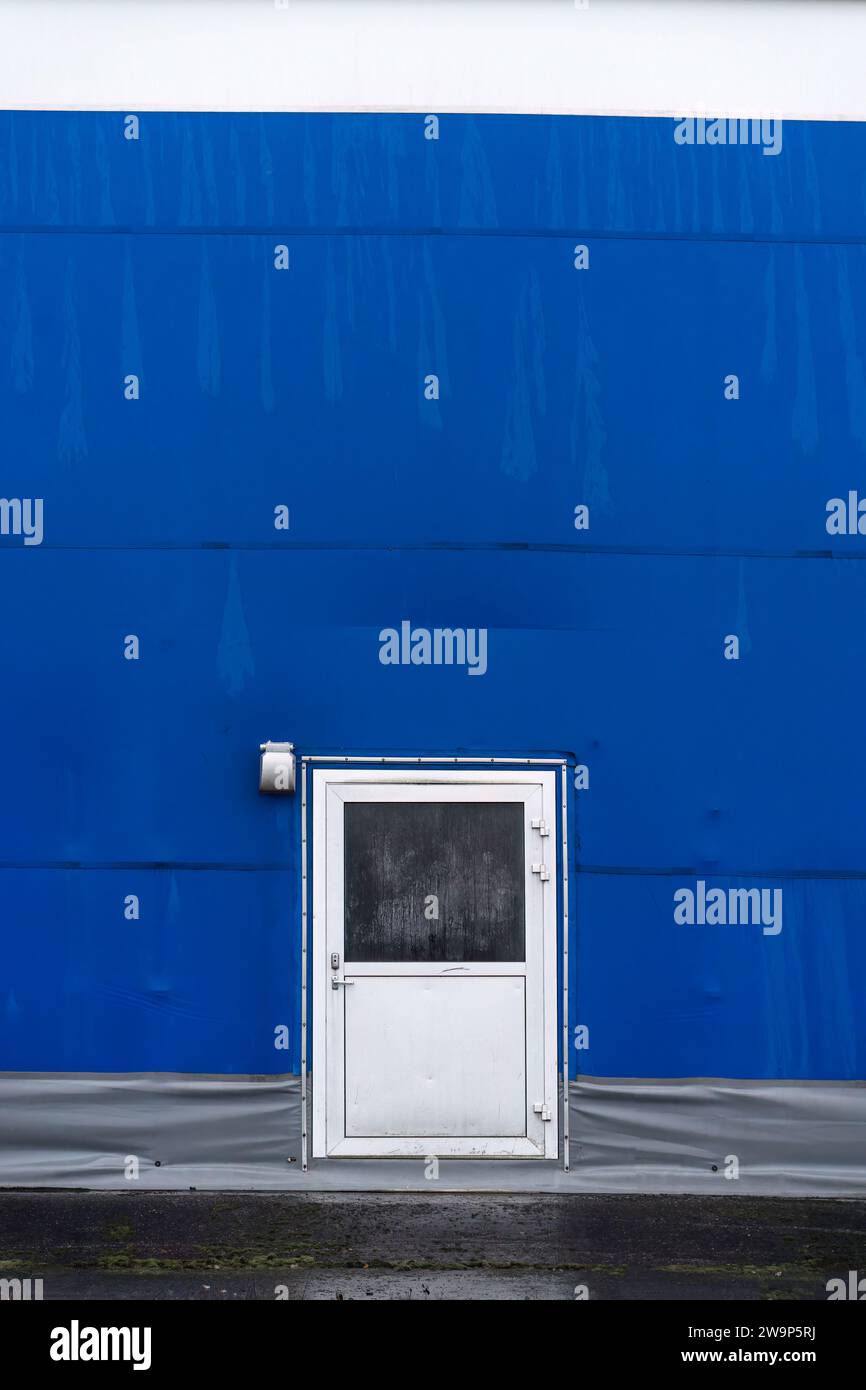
point(434, 881)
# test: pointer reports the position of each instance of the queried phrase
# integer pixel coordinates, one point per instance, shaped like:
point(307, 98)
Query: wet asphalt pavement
point(373, 1246)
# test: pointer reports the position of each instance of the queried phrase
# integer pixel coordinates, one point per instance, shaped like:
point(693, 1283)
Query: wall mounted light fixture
point(277, 769)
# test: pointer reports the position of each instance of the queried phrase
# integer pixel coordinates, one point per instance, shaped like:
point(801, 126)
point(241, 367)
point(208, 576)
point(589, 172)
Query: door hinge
point(542, 871)
point(541, 1109)
point(541, 826)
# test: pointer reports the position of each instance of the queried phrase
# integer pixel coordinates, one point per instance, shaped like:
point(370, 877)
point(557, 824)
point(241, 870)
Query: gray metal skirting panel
point(224, 1133)
point(787, 1137)
point(81, 1130)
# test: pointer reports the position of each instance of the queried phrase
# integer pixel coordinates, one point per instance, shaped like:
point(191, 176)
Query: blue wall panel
point(198, 984)
point(661, 999)
point(304, 387)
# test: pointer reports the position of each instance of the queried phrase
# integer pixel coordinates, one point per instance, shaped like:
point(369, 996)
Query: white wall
point(712, 57)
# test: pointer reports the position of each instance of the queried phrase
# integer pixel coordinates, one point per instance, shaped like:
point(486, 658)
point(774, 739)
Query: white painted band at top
point(769, 58)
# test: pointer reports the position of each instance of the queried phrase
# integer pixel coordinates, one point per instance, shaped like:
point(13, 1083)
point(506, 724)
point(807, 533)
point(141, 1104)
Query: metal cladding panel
point(304, 388)
point(244, 1132)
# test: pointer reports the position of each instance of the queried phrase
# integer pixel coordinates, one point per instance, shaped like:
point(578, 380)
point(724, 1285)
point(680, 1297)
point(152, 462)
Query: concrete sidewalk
point(443, 1246)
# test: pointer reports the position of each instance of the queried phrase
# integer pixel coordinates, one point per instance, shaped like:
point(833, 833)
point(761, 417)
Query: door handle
point(335, 983)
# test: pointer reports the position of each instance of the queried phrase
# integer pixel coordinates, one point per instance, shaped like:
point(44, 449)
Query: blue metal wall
point(304, 387)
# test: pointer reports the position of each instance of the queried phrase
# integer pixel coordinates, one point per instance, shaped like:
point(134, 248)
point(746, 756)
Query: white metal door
point(434, 961)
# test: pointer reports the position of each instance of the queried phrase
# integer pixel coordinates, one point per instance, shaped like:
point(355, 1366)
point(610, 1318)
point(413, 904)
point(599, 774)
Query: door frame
point(547, 848)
